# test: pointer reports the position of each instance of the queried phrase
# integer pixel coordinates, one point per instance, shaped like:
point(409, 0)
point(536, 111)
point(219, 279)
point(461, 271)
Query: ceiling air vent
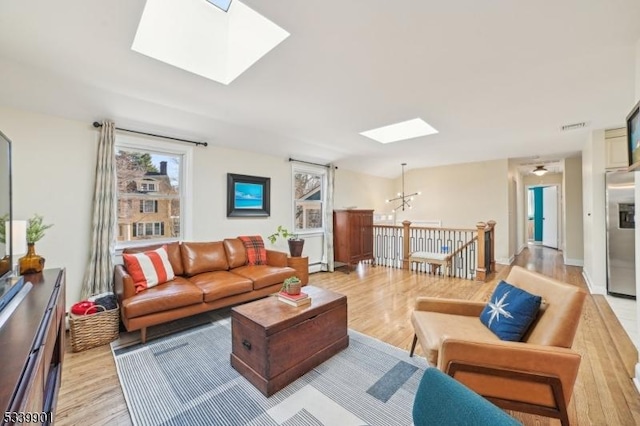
point(573, 126)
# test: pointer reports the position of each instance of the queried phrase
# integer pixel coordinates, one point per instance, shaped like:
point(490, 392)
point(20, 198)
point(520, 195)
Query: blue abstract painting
point(249, 195)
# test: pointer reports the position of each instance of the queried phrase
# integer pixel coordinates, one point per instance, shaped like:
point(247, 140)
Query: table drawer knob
point(246, 344)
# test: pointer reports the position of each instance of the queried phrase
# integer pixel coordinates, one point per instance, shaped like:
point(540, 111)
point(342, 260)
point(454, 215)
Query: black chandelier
point(402, 197)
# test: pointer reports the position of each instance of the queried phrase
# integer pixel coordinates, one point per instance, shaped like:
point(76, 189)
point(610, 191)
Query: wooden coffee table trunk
point(274, 343)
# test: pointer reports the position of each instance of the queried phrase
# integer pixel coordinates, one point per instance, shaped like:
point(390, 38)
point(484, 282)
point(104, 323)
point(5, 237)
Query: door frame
point(559, 212)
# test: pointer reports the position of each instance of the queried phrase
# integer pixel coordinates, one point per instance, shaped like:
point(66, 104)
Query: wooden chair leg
point(143, 334)
point(413, 345)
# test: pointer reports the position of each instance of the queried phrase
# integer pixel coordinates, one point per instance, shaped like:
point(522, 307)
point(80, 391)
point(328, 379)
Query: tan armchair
point(535, 375)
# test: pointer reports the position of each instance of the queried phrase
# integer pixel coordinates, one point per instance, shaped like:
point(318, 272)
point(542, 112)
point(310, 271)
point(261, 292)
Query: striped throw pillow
point(148, 269)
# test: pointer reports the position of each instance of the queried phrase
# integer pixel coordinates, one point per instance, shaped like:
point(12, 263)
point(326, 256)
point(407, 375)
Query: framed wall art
point(248, 196)
point(633, 138)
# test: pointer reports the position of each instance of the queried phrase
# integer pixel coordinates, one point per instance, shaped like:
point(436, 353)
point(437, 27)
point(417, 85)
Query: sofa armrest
point(123, 284)
point(519, 357)
point(450, 306)
point(276, 258)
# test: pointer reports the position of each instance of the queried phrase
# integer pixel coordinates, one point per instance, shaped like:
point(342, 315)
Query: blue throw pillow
point(510, 312)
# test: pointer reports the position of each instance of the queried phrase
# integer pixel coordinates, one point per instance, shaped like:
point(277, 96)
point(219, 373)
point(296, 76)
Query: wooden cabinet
point(32, 342)
point(352, 236)
point(616, 154)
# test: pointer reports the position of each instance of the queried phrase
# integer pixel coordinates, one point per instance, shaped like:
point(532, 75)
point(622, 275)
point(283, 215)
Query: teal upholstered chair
point(442, 400)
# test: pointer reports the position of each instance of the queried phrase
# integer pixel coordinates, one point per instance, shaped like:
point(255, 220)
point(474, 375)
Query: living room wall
point(461, 195)
point(53, 175)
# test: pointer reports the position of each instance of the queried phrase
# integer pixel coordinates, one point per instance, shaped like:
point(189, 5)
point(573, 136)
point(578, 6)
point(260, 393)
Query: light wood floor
point(380, 301)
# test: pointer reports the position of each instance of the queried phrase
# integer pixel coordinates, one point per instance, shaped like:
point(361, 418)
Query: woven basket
point(89, 331)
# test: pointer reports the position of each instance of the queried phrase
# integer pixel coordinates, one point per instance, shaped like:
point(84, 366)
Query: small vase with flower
point(32, 263)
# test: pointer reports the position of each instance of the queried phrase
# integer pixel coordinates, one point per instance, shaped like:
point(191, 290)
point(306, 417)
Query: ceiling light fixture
point(402, 197)
point(539, 171)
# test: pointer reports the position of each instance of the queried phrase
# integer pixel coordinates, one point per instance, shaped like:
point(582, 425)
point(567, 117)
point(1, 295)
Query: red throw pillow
point(148, 269)
point(256, 253)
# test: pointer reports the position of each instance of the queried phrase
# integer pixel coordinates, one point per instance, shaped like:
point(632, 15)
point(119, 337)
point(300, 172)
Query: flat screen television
point(633, 138)
point(9, 284)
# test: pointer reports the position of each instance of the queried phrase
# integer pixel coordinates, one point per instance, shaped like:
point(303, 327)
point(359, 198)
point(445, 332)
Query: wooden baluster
point(492, 230)
point(481, 269)
point(405, 246)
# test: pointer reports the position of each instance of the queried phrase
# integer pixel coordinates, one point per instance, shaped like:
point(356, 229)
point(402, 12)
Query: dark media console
point(32, 342)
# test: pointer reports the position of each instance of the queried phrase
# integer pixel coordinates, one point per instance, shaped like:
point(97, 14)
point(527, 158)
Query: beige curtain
point(99, 274)
point(328, 258)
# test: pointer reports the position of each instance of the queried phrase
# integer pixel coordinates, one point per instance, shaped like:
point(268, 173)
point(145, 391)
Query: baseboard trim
point(504, 261)
point(636, 380)
point(522, 247)
point(593, 289)
point(574, 262)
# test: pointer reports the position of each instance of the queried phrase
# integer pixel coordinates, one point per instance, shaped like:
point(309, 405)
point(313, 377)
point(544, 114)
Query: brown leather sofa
point(535, 375)
point(209, 275)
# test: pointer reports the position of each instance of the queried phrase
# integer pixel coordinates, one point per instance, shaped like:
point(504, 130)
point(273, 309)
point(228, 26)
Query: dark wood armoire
point(352, 236)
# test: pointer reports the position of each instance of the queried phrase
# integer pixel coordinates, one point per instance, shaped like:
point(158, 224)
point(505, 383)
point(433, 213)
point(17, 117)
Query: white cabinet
point(615, 141)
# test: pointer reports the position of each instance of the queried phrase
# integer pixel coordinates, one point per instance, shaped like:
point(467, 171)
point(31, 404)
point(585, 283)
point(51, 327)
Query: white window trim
point(318, 170)
point(127, 141)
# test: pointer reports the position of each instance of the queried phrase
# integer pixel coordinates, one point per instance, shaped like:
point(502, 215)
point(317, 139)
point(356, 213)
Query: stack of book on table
point(294, 299)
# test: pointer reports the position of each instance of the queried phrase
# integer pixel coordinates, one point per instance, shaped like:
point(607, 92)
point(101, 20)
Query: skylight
point(222, 4)
point(205, 40)
point(400, 131)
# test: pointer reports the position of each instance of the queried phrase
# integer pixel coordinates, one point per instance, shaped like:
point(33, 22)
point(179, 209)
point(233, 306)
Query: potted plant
point(32, 263)
point(292, 285)
point(295, 244)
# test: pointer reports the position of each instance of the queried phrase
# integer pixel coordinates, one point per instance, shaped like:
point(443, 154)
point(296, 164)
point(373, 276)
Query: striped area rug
point(187, 379)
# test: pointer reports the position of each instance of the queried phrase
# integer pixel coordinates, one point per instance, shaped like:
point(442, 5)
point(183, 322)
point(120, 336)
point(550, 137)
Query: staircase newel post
point(492, 237)
point(481, 271)
point(406, 239)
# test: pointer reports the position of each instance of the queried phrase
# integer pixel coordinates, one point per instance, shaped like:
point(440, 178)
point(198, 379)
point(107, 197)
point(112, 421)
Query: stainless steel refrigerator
point(621, 262)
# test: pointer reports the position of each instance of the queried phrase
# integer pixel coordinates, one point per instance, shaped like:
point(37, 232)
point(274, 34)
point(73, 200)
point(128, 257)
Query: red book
point(294, 297)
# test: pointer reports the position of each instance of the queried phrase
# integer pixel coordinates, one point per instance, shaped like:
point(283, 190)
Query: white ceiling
point(497, 79)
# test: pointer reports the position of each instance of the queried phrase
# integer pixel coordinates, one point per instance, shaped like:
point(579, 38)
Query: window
point(148, 229)
point(148, 186)
point(308, 192)
point(152, 183)
point(148, 206)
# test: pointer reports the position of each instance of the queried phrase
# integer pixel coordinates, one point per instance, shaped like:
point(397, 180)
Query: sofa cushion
point(438, 325)
point(203, 257)
point(149, 268)
point(264, 275)
point(254, 246)
point(236, 253)
point(220, 284)
point(173, 252)
point(510, 311)
point(171, 295)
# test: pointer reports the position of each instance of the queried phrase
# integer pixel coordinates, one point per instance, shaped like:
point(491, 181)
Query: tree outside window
point(308, 198)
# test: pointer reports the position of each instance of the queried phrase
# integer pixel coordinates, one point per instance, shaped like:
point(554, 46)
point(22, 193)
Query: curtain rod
point(309, 162)
point(96, 124)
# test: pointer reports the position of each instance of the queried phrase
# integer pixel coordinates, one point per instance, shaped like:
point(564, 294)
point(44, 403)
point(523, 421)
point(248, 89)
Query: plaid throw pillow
point(256, 253)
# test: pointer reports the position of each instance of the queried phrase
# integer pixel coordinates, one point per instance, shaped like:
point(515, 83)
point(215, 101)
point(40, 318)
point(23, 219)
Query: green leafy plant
point(282, 232)
point(289, 282)
point(36, 228)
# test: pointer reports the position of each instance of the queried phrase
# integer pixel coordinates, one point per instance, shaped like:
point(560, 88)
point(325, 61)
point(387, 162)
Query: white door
point(550, 216)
